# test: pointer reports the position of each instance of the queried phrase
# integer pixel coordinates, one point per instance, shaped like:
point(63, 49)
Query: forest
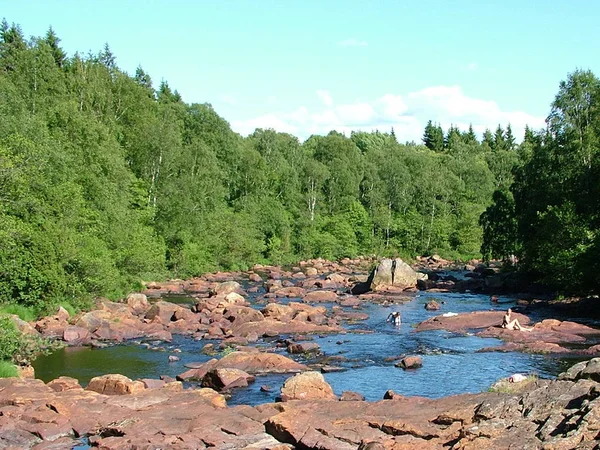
point(108, 180)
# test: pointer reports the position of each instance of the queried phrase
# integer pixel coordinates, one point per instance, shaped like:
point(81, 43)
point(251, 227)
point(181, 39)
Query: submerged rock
point(410, 362)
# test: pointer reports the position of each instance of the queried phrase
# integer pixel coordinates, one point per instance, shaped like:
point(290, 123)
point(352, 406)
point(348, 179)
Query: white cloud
point(406, 113)
point(472, 66)
point(356, 114)
point(246, 127)
point(353, 42)
point(229, 99)
point(325, 97)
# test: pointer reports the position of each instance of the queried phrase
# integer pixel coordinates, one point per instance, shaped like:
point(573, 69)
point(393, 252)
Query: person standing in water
point(395, 318)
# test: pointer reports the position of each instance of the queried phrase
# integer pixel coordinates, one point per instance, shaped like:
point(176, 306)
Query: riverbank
point(284, 322)
point(558, 414)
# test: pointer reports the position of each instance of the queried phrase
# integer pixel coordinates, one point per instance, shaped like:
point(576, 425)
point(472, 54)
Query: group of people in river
point(507, 321)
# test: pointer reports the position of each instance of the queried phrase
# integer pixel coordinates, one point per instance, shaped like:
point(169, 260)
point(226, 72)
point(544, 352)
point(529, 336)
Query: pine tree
point(470, 137)
point(433, 137)
point(144, 80)
point(529, 136)
point(107, 58)
point(499, 141)
point(12, 44)
point(52, 40)
point(453, 138)
point(488, 139)
point(509, 138)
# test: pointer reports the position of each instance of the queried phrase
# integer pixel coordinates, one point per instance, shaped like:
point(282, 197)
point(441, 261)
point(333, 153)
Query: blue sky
point(311, 66)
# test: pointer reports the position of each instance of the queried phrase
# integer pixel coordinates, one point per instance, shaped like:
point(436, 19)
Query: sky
point(311, 66)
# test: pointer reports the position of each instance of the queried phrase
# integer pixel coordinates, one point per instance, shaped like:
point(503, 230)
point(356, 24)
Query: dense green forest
point(107, 180)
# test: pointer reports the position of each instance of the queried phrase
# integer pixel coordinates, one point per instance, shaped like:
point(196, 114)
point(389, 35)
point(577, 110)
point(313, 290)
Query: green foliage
point(554, 221)
point(499, 227)
point(8, 370)
point(10, 339)
point(226, 351)
point(18, 347)
point(106, 182)
point(25, 313)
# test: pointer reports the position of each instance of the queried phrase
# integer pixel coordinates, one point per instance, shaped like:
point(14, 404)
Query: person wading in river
point(512, 324)
point(395, 318)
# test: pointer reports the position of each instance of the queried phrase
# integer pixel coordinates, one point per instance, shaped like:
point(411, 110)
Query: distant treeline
point(106, 181)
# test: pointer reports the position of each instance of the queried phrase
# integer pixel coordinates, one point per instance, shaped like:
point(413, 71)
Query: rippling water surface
point(451, 363)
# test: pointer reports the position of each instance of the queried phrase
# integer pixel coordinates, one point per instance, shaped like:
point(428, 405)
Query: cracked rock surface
point(557, 414)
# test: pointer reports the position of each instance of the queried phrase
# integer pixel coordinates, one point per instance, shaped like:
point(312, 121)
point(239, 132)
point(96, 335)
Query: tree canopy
point(107, 180)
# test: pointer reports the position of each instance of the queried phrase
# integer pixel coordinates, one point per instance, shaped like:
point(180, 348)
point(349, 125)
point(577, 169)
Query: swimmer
point(395, 318)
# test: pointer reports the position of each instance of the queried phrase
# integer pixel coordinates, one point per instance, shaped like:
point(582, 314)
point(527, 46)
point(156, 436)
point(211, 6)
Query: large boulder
point(165, 310)
point(382, 274)
point(138, 303)
point(403, 275)
point(239, 315)
point(276, 311)
point(307, 386)
point(115, 384)
point(393, 273)
point(76, 335)
point(223, 289)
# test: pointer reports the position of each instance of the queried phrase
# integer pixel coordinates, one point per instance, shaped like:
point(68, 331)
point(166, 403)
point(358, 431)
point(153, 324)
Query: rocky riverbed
point(274, 323)
point(116, 413)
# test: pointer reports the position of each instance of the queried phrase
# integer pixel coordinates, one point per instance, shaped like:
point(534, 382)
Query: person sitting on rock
point(512, 324)
point(394, 317)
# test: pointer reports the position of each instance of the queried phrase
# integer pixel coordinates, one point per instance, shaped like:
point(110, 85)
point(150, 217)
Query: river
point(451, 362)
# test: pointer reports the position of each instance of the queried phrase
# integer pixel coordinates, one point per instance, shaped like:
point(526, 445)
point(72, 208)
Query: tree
point(499, 140)
point(470, 137)
point(453, 138)
point(574, 113)
point(12, 45)
point(509, 138)
point(58, 53)
point(107, 58)
point(433, 137)
point(499, 225)
point(488, 139)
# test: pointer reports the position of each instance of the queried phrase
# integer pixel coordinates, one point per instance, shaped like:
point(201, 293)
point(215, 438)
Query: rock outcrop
point(250, 362)
point(544, 414)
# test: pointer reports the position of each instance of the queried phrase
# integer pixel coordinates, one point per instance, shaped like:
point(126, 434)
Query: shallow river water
point(451, 363)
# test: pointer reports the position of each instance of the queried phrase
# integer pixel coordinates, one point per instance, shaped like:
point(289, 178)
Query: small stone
point(410, 362)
